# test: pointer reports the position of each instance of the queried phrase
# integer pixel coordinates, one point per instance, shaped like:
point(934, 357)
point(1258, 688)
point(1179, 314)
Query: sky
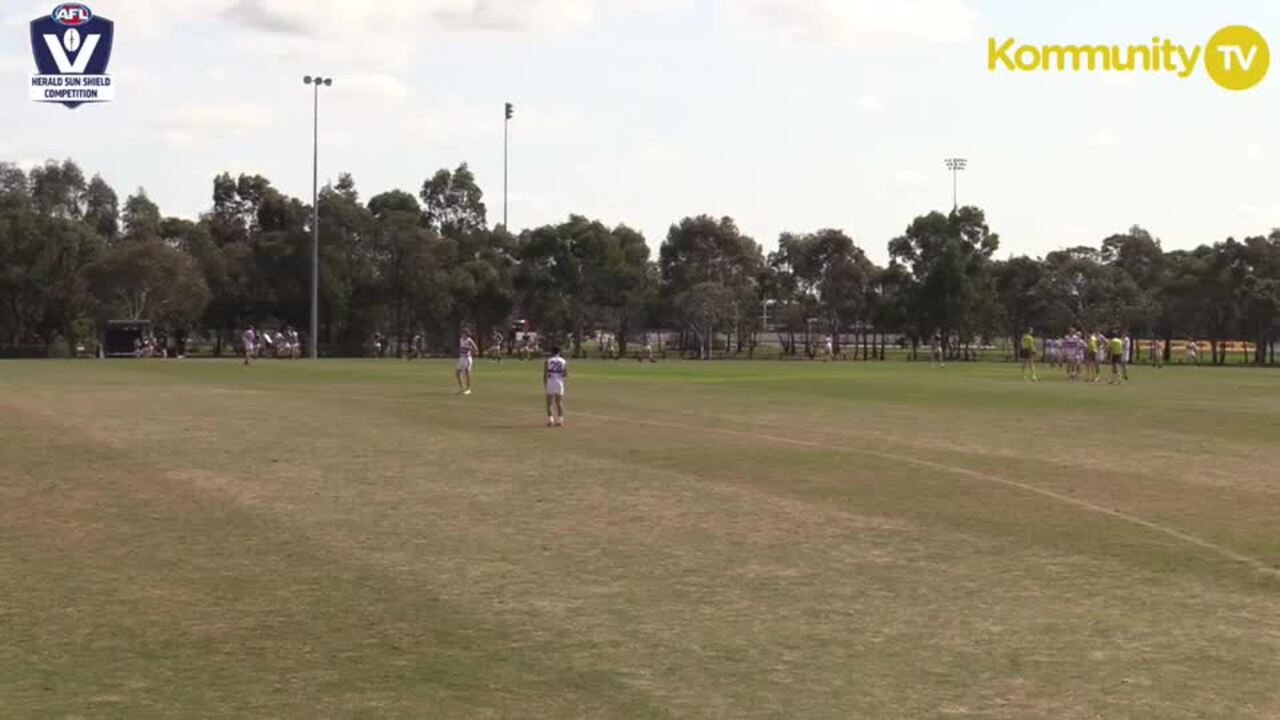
point(787, 115)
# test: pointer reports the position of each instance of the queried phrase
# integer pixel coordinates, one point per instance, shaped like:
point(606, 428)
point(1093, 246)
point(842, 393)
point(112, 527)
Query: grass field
point(725, 540)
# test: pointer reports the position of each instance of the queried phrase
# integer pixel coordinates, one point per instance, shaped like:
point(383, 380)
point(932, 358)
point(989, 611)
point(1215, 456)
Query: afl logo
point(72, 14)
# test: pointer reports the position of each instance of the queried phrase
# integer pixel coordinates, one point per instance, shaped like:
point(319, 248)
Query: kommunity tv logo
point(1235, 58)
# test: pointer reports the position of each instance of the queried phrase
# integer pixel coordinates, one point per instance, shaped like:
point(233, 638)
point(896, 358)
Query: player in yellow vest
point(1028, 354)
point(1116, 346)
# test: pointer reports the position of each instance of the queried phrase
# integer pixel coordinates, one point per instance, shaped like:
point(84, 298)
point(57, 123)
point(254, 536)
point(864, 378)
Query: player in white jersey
point(1193, 352)
point(1069, 347)
point(467, 350)
point(1125, 353)
point(1102, 354)
point(248, 341)
point(495, 347)
point(554, 373)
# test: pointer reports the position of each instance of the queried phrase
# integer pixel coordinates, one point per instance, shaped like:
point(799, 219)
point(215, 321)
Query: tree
point(58, 190)
point(556, 284)
point(702, 250)
point(823, 274)
point(454, 203)
point(101, 211)
point(1017, 285)
point(704, 307)
point(407, 257)
point(1137, 253)
point(949, 258)
point(350, 285)
point(429, 263)
point(1080, 289)
point(149, 280)
point(44, 250)
point(894, 293)
point(624, 280)
point(141, 217)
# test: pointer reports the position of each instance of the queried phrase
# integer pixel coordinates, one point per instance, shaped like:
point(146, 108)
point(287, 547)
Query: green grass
point(727, 540)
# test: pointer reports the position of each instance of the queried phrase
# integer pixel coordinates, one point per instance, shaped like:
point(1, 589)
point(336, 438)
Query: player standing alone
point(248, 340)
point(467, 350)
point(1029, 356)
point(554, 373)
point(495, 348)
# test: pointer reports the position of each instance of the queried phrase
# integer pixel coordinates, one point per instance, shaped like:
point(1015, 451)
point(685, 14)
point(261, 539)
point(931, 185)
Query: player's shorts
point(555, 386)
point(464, 364)
point(1026, 354)
point(249, 348)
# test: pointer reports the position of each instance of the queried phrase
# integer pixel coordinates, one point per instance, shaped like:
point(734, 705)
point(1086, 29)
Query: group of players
point(555, 369)
point(555, 375)
point(1083, 356)
point(284, 343)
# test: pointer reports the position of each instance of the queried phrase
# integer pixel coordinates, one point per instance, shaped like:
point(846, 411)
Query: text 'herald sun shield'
point(72, 48)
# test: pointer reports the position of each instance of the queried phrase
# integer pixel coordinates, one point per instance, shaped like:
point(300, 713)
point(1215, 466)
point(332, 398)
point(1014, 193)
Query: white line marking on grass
point(1159, 528)
point(1162, 529)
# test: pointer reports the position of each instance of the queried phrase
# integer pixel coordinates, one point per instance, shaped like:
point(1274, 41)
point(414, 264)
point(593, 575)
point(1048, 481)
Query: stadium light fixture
point(315, 81)
point(509, 112)
point(955, 165)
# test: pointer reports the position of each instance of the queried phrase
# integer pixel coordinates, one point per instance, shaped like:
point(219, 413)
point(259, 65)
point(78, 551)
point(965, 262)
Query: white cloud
point(258, 14)
point(370, 87)
point(1103, 138)
point(197, 124)
point(517, 15)
point(856, 22)
point(383, 34)
point(1267, 211)
point(871, 103)
point(913, 179)
point(216, 73)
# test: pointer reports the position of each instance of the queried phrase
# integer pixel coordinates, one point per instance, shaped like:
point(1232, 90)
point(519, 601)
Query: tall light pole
point(955, 165)
point(317, 81)
point(506, 124)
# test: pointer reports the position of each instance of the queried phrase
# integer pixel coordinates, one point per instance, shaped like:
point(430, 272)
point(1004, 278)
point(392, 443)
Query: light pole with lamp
point(317, 81)
point(506, 124)
point(955, 165)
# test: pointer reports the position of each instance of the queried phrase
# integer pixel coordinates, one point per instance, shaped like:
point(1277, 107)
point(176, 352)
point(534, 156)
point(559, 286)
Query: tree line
point(72, 256)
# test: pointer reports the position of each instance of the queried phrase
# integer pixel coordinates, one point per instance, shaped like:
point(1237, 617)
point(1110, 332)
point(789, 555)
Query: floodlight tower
point(510, 111)
point(955, 165)
point(317, 81)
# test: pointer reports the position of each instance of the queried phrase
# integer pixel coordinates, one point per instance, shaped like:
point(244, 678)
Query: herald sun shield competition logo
point(72, 47)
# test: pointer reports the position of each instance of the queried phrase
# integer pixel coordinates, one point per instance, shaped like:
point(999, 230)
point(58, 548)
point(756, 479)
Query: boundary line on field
point(1151, 525)
point(1159, 528)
